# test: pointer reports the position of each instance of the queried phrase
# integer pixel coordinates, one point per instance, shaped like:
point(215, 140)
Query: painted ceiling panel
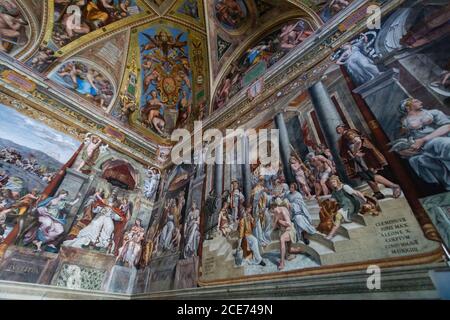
point(16, 27)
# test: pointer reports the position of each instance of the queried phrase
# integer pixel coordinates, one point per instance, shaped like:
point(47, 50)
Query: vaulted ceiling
point(156, 65)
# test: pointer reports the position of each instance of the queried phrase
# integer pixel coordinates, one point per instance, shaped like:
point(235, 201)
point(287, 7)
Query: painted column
point(329, 119)
point(218, 175)
point(246, 170)
point(285, 148)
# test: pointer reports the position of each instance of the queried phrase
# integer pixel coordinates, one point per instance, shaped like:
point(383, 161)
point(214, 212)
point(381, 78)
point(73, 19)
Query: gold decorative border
point(33, 27)
point(200, 24)
point(52, 121)
point(308, 9)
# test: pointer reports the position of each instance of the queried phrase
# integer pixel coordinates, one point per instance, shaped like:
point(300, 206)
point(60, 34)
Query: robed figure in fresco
point(260, 213)
point(364, 160)
point(426, 142)
point(300, 213)
point(51, 221)
point(130, 252)
point(356, 60)
point(105, 230)
point(192, 231)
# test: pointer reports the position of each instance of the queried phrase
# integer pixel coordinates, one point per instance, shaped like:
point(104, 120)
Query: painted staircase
point(319, 248)
point(367, 238)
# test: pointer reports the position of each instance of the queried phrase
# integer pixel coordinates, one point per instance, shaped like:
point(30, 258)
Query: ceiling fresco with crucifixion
point(154, 65)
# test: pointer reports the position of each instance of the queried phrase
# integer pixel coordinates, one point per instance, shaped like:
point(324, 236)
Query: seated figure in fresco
point(130, 252)
point(98, 233)
point(288, 236)
point(293, 34)
point(91, 207)
point(98, 13)
point(427, 142)
point(248, 245)
point(69, 21)
point(331, 217)
point(51, 221)
point(300, 214)
point(82, 80)
point(261, 52)
point(229, 12)
point(364, 160)
point(103, 230)
point(350, 200)
point(151, 113)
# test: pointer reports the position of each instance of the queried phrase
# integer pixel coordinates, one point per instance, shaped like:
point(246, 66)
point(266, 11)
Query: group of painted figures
point(104, 222)
point(273, 204)
point(276, 205)
point(92, 16)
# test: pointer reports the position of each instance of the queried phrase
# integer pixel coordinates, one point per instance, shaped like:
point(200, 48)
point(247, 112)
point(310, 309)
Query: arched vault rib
point(265, 29)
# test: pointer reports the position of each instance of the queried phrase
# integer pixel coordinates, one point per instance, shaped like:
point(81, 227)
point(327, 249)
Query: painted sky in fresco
point(35, 135)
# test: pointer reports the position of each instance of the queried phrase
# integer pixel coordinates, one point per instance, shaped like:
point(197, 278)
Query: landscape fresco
point(27, 165)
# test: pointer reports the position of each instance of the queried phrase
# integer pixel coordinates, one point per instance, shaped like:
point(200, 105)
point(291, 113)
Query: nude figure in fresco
point(282, 221)
point(151, 113)
point(90, 153)
point(11, 26)
point(293, 34)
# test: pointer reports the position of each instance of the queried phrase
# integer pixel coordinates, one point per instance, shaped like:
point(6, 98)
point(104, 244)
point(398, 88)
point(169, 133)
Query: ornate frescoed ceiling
point(151, 66)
